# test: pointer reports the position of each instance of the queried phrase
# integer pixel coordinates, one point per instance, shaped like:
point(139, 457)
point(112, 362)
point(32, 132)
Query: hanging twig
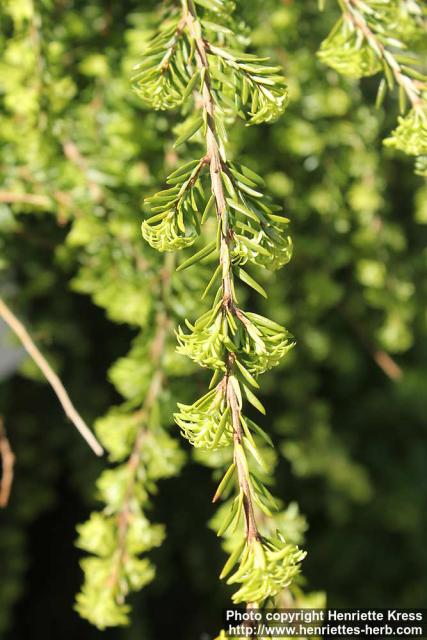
point(54, 381)
point(7, 458)
point(381, 358)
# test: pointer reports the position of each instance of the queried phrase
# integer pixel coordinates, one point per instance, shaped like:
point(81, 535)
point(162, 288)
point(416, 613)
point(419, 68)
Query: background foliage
point(346, 408)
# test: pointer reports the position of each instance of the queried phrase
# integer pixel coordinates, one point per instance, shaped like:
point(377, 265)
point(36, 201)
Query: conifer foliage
point(383, 36)
point(79, 149)
point(218, 210)
point(196, 62)
point(197, 59)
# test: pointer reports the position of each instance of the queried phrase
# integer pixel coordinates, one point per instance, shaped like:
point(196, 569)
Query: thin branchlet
point(118, 535)
point(358, 20)
point(125, 514)
point(372, 37)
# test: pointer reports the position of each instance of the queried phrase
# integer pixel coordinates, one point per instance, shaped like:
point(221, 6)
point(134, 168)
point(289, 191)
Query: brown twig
point(12, 197)
point(382, 359)
point(20, 331)
point(387, 364)
point(251, 525)
point(72, 153)
point(7, 462)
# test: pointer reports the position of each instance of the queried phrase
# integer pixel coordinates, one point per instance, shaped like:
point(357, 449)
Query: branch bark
point(12, 197)
point(384, 361)
point(7, 462)
point(70, 411)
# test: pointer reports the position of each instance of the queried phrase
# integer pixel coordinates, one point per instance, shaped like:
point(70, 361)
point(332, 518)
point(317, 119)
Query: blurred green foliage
point(347, 407)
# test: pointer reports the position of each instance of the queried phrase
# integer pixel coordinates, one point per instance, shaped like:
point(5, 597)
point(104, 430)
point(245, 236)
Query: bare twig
point(12, 197)
point(387, 364)
point(7, 458)
point(72, 153)
point(54, 381)
point(382, 359)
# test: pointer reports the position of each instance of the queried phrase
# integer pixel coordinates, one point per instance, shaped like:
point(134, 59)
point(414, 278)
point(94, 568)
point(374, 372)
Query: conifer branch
point(226, 241)
point(237, 345)
point(124, 516)
point(357, 19)
point(117, 535)
point(157, 352)
point(373, 36)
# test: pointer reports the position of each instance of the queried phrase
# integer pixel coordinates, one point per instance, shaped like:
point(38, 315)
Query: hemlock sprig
point(222, 82)
point(116, 536)
point(382, 35)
